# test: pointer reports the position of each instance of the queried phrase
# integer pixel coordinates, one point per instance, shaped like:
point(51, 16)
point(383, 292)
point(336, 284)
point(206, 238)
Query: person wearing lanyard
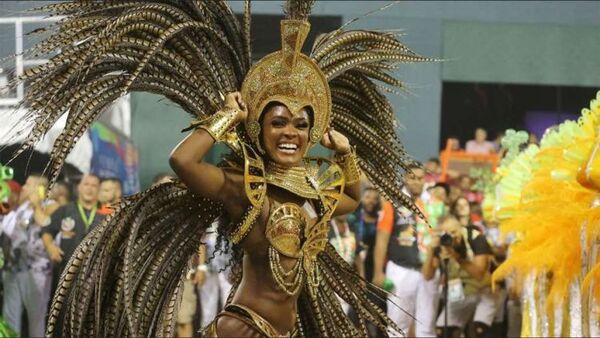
point(70, 223)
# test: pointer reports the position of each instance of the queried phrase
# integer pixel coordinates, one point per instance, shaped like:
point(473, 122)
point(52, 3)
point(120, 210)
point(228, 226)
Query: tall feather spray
point(298, 9)
point(354, 62)
point(124, 278)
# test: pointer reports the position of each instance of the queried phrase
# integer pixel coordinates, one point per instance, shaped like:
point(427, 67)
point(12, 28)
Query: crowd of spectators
point(435, 264)
point(39, 232)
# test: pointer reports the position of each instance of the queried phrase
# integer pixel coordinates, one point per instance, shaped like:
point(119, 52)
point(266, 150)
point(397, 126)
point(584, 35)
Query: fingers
point(325, 141)
point(331, 137)
point(235, 100)
point(241, 102)
point(237, 96)
point(229, 99)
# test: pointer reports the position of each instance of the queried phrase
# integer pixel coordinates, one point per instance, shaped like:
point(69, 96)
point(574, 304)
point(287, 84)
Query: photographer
point(464, 255)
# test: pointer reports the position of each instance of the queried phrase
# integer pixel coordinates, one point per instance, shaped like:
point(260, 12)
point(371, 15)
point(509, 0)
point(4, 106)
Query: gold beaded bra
point(289, 230)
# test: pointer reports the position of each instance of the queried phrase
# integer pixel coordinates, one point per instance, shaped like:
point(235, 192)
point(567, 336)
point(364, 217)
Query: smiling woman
point(289, 226)
point(285, 135)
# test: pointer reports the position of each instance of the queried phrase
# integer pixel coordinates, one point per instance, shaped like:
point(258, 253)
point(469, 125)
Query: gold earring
point(314, 135)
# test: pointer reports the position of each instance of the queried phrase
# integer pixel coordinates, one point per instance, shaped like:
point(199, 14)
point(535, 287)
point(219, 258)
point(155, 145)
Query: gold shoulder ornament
point(256, 189)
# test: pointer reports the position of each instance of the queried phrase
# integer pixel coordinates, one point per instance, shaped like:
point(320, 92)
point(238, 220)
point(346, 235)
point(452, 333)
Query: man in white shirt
point(480, 145)
point(27, 275)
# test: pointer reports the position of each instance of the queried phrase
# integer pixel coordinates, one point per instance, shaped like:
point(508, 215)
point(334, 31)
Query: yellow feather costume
point(545, 197)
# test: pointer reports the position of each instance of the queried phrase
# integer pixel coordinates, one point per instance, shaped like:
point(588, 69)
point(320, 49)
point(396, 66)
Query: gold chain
point(280, 274)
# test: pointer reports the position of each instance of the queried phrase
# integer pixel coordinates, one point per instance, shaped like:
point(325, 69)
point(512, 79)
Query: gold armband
point(218, 124)
point(350, 167)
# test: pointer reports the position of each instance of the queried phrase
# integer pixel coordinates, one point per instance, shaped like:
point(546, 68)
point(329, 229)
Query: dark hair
point(112, 179)
point(67, 187)
point(88, 174)
point(309, 111)
point(443, 185)
point(455, 205)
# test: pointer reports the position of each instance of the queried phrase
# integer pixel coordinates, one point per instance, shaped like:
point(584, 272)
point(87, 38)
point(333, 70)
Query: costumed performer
point(273, 203)
point(548, 198)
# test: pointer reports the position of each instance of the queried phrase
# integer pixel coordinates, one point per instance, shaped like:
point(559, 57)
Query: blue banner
point(115, 155)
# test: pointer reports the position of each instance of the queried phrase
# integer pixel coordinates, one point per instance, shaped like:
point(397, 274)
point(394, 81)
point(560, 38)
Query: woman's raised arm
point(186, 159)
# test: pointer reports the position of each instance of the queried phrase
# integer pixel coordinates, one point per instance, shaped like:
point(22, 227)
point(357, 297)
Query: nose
point(290, 131)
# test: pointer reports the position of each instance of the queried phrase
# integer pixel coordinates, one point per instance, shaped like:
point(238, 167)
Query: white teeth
point(288, 148)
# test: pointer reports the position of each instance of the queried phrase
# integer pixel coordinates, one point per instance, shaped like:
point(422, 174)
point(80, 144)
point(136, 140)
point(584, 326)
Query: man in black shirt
point(397, 240)
point(70, 223)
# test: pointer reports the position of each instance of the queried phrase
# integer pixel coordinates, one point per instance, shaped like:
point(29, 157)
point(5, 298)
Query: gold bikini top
point(285, 228)
point(288, 229)
point(292, 233)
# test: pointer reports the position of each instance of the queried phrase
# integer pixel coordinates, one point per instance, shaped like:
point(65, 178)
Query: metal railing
point(120, 117)
point(20, 61)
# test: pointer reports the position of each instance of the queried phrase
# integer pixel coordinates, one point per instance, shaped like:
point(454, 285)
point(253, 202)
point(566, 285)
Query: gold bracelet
point(218, 124)
point(350, 166)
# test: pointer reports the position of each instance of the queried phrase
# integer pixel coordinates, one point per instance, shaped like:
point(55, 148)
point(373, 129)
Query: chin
point(286, 160)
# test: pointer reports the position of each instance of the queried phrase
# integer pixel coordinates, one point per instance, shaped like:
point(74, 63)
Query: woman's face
point(462, 208)
point(285, 137)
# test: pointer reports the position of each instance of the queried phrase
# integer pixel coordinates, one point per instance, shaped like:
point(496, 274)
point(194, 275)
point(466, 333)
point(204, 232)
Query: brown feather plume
point(298, 9)
point(188, 51)
point(358, 65)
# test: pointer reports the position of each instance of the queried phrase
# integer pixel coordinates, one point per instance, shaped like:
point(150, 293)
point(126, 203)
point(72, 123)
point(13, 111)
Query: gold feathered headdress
point(289, 77)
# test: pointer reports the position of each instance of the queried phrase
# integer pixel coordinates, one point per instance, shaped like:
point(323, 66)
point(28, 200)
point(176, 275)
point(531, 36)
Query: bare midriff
point(259, 292)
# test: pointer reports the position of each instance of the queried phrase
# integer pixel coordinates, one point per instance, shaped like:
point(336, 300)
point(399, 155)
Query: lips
point(287, 148)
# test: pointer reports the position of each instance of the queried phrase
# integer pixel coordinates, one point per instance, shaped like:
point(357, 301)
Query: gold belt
point(249, 317)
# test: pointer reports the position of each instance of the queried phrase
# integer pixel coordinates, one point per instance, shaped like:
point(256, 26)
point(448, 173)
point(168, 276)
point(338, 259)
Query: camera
point(446, 239)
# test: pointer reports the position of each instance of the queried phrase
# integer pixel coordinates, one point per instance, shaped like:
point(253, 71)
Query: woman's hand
point(335, 141)
point(234, 101)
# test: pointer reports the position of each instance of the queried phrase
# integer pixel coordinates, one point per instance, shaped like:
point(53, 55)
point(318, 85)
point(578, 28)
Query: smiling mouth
point(288, 148)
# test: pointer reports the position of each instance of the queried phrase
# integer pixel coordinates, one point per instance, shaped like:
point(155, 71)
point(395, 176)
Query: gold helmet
point(291, 78)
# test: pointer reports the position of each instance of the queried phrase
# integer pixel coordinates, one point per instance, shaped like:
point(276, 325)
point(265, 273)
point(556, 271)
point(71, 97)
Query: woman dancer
point(272, 201)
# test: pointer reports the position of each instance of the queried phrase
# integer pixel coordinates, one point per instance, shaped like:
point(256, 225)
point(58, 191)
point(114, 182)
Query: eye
point(278, 122)
point(302, 124)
